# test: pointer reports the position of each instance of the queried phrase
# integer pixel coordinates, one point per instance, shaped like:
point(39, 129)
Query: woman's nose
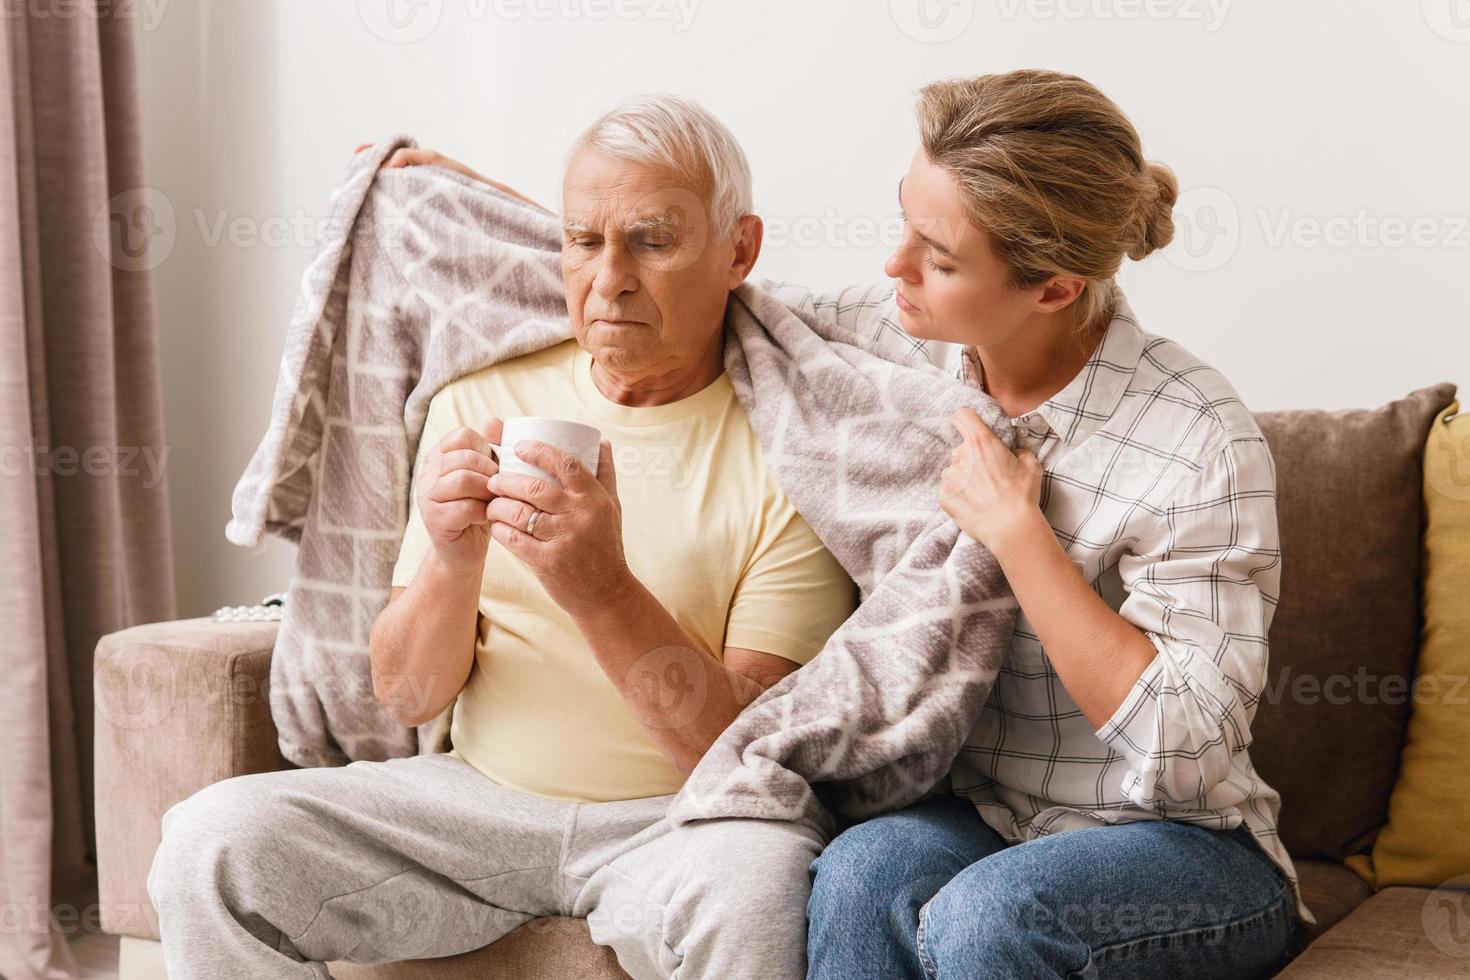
point(897, 266)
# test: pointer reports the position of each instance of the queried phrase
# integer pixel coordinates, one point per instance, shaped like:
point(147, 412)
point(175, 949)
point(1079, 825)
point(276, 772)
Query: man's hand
point(577, 549)
point(452, 495)
point(415, 156)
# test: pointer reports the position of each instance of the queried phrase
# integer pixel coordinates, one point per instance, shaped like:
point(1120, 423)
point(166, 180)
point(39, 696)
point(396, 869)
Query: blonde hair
point(1053, 172)
point(679, 135)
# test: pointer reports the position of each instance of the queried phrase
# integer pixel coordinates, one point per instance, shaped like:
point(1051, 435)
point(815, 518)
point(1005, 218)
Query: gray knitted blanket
point(426, 275)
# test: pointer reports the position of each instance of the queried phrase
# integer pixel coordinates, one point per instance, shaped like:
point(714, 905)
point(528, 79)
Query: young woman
point(1104, 817)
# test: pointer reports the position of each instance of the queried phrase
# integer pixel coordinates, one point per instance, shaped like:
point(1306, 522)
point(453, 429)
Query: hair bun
point(1154, 225)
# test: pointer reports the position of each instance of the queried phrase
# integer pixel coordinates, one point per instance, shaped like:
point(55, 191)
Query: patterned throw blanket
point(425, 276)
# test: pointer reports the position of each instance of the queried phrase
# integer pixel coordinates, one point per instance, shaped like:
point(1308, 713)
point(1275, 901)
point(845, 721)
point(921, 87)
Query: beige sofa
point(183, 704)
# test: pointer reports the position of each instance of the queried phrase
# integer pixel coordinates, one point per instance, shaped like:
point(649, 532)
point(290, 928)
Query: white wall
point(1347, 119)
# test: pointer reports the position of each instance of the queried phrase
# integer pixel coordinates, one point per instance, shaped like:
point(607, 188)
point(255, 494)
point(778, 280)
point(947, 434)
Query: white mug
point(582, 441)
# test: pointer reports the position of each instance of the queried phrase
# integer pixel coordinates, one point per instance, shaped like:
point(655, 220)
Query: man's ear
point(748, 235)
point(1059, 293)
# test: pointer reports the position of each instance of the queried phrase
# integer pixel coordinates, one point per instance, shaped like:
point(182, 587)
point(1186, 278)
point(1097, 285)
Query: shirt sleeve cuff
point(776, 644)
point(1131, 712)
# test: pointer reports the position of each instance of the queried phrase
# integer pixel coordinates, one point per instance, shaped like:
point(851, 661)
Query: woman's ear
point(1059, 293)
point(748, 235)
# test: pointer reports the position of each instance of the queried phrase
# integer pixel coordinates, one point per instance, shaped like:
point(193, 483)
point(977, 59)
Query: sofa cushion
point(552, 948)
point(1424, 842)
point(1331, 892)
point(1399, 932)
point(1330, 725)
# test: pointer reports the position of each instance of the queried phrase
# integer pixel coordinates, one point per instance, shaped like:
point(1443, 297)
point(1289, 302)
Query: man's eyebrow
point(938, 246)
point(645, 223)
point(652, 221)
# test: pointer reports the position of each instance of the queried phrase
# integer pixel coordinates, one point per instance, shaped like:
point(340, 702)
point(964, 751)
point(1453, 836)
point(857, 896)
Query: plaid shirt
point(1162, 491)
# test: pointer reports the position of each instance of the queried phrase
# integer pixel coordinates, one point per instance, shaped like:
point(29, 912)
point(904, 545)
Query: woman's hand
point(993, 494)
point(415, 156)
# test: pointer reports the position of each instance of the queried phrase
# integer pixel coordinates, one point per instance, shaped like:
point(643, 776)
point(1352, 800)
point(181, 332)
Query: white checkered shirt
point(1161, 489)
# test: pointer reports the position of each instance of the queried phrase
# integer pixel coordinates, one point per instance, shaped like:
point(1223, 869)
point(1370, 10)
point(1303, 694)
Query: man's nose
point(617, 272)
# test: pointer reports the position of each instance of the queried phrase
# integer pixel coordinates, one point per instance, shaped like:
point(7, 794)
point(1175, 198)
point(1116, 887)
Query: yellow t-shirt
point(706, 529)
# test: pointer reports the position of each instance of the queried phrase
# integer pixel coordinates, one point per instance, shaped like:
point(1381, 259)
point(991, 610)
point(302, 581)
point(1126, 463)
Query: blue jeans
point(932, 891)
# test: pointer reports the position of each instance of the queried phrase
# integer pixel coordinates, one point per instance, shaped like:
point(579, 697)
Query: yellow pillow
point(1425, 841)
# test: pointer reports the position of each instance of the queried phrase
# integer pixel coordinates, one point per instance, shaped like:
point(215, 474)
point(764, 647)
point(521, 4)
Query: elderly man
point(594, 635)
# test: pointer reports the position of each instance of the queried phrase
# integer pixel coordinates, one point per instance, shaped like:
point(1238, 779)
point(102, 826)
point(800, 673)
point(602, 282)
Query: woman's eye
point(929, 261)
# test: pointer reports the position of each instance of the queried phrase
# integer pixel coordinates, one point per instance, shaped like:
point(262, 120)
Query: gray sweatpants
point(270, 875)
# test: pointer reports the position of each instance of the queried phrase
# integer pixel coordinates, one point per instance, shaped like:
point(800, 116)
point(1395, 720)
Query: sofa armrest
point(179, 705)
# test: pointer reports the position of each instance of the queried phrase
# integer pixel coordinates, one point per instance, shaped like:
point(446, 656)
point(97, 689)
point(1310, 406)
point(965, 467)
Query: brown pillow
point(1330, 725)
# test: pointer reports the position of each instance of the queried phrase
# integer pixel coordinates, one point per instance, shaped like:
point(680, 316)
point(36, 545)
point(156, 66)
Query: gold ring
point(531, 524)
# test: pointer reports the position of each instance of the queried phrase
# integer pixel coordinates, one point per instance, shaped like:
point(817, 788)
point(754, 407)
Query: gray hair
point(680, 135)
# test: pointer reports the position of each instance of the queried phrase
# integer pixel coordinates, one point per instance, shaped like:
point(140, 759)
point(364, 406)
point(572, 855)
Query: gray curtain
point(84, 542)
